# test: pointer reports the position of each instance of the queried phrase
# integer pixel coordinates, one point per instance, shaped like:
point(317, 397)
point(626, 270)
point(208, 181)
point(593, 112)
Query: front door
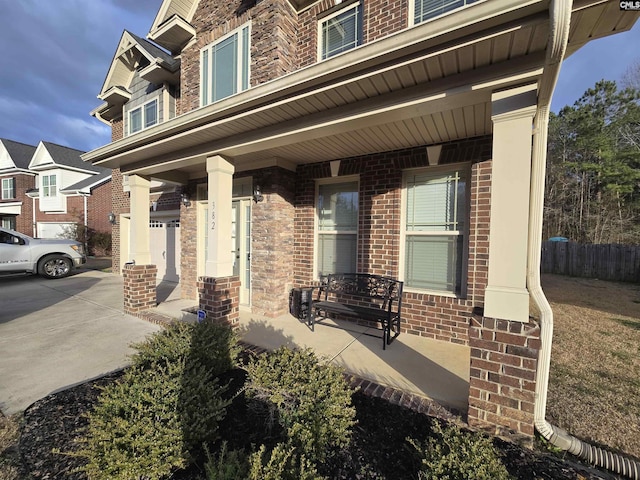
point(241, 244)
point(241, 240)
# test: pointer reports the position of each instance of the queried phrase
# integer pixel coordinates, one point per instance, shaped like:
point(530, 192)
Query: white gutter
point(560, 18)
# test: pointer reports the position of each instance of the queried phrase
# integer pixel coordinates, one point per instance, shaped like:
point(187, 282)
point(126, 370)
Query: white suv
point(50, 258)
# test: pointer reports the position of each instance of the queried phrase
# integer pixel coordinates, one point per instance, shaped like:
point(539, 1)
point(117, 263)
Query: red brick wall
point(220, 297)
point(139, 287)
point(119, 204)
point(99, 207)
point(75, 212)
point(433, 316)
point(22, 183)
point(380, 18)
point(503, 372)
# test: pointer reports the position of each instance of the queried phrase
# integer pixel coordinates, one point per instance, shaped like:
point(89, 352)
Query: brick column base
point(220, 298)
point(503, 376)
point(139, 287)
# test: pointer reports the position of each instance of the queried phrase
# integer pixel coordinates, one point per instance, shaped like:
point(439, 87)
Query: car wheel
point(54, 266)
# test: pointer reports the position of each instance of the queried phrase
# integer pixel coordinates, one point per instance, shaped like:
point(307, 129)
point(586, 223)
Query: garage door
point(164, 236)
point(56, 230)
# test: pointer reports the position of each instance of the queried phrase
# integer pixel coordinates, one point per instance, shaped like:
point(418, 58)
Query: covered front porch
point(425, 374)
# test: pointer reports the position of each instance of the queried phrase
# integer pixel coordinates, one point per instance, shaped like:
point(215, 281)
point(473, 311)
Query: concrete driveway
point(57, 333)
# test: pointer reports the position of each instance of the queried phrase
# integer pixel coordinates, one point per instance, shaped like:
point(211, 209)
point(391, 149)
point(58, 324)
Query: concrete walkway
point(58, 333)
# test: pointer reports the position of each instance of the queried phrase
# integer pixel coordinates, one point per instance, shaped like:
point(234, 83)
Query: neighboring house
point(402, 138)
point(68, 192)
point(16, 208)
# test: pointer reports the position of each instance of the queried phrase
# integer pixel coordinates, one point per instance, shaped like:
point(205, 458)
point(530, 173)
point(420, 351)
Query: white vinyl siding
point(426, 9)
point(49, 188)
point(340, 32)
point(337, 210)
point(8, 189)
point(224, 66)
point(143, 117)
point(434, 224)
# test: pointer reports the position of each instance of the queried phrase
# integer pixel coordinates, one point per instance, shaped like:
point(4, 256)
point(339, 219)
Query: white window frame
point(465, 170)
point(47, 189)
point(143, 113)
point(321, 23)
point(316, 233)
point(8, 223)
point(412, 10)
point(243, 72)
point(8, 189)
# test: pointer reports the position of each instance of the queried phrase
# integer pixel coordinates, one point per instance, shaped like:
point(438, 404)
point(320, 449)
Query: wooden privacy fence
point(607, 261)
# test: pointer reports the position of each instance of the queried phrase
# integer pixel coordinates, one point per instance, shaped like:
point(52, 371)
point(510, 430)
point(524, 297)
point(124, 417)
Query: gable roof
point(86, 185)
point(20, 153)
point(63, 157)
point(131, 50)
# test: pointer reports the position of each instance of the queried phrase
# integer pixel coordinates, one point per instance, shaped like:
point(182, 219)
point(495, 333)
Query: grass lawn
point(594, 387)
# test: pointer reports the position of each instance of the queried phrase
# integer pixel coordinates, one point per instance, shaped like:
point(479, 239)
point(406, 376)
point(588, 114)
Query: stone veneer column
point(503, 372)
point(139, 287)
point(220, 298)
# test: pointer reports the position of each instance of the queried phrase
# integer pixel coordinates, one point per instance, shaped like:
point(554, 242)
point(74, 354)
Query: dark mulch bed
point(379, 450)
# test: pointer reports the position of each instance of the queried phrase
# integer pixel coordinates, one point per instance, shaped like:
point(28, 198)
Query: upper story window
point(337, 210)
point(8, 189)
point(143, 117)
point(425, 9)
point(339, 32)
point(224, 66)
point(434, 229)
point(49, 186)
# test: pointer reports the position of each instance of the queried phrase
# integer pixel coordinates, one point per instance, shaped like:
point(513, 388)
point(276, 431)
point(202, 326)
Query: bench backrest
point(385, 289)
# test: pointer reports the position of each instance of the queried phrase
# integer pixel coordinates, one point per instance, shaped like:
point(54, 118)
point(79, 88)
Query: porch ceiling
point(374, 98)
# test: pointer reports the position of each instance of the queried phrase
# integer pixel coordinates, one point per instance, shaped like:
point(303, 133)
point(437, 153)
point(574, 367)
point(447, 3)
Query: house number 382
point(213, 215)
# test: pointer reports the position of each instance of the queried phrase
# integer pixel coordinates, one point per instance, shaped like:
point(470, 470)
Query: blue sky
point(56, 54)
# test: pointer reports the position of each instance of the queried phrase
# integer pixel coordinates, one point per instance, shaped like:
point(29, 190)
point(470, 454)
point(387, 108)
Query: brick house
point(47, 190)
point(16, 208)
point(294, 138)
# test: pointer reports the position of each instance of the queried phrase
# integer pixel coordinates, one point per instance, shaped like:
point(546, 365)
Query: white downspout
point(559, 22)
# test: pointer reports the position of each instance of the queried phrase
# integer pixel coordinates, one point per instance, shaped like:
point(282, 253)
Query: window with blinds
point(434, 229)
point(340, 32)
point(426, 9)
point(337, 210)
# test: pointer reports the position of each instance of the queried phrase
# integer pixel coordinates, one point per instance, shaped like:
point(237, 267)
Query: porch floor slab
point(421, 366)
point(428, 368)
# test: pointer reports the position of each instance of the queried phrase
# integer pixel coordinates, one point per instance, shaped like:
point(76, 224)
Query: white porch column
point(139, 248)
point(506, 296)
point(219, 262)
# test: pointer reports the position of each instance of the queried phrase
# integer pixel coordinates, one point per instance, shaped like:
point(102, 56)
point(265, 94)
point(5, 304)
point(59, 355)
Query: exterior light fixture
point(257, 195)
point(185, 198)
point(112, 218)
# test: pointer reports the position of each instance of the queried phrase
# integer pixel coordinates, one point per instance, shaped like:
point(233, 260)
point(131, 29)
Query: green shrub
point(452, 454)
point(227, 465)
point(165, 408)
point(282, 464)
point(310, 401)
point(207, 343)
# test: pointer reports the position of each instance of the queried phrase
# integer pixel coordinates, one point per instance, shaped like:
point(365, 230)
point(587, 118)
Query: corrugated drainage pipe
point(560, 16)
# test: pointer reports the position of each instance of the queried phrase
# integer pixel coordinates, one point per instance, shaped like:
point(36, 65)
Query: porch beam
point(506, 296)
point(219, 262)
point(139, 244)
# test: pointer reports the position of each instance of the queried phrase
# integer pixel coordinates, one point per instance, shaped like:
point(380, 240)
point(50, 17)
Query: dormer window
point(224, 66)
point(424, 10)
point(340, 31)
point(49, 188)
point(144, 116)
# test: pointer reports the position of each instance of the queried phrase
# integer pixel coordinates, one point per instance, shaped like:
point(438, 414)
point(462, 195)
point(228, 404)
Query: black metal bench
point(362, 295)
